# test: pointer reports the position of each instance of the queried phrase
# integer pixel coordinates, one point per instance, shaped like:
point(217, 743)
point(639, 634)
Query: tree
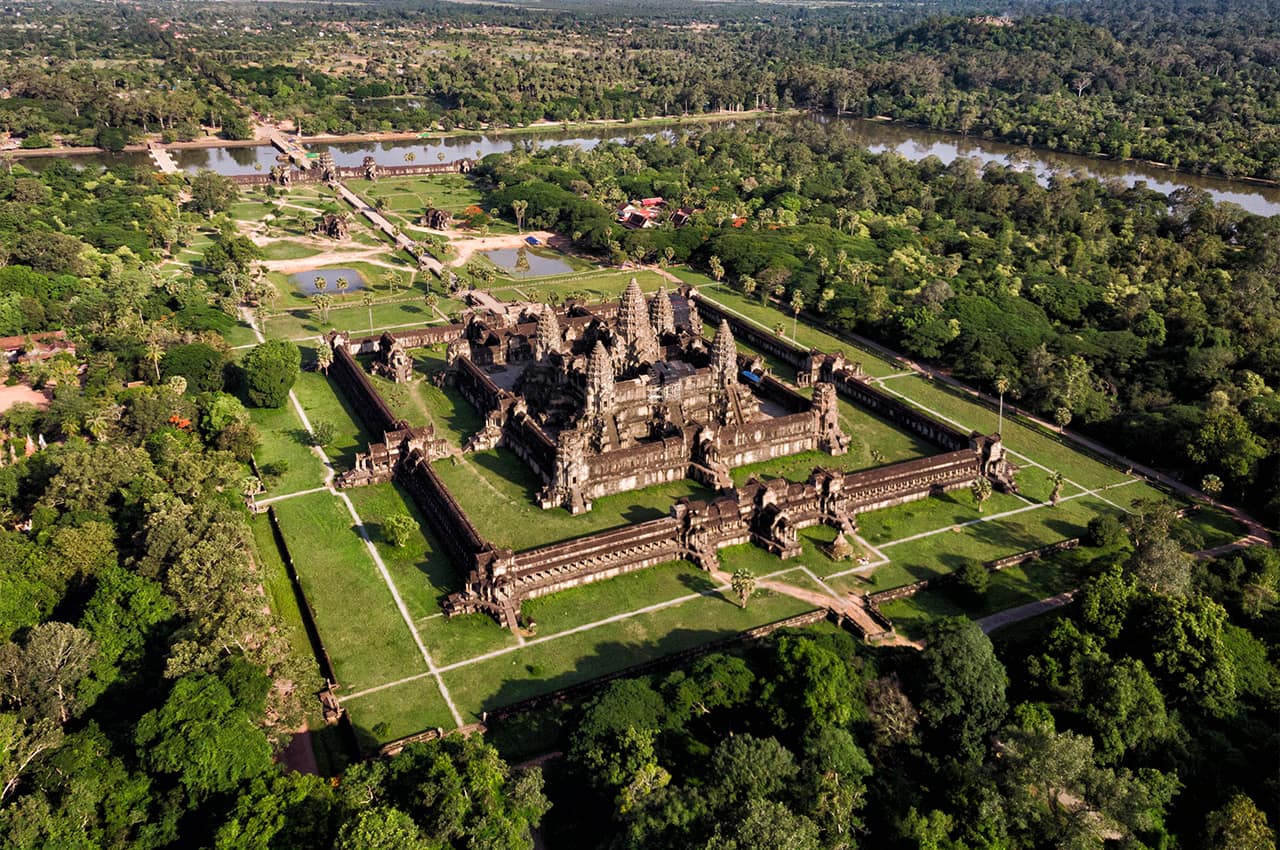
point(974, 578)
point(154, 354)
point(321, 283)
point(270, 370)
point(398, 529)
point(797, 304)
point(962, 684)
point(382, 828)
point(1239, 825)
point(41, 675)
point(366, 298)
point(981, 490)
point(1161, 566)
point(324, 359)
point(212, 193)
point(1062, 417)
point(341, 284)
point(1002, 387)
point(204, 735)
point(743, 584)
point(323, 302)
point(1211, 485)
point(518, 207)
point(200, 363)
point(321, 433)
point(1057, 479)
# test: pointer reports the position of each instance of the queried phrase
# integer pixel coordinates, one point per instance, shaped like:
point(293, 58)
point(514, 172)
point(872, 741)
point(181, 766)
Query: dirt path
point(371, 256)
point(466, 244)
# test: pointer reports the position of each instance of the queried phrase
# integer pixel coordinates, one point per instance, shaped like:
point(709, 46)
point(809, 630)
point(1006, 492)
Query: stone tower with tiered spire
point(695, 320)
point(547, 340)
point(661, 314)
point(724, 355)
point(639, 342)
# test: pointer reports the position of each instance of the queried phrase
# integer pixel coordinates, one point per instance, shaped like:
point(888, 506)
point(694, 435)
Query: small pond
point(306, 281)
point(521, 262)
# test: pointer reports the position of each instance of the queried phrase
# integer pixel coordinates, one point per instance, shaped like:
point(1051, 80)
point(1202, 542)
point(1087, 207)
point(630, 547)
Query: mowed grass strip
point(282, 438)
point(423, 574)
point(497, 491)
point(766, 316)
point(322, 402)
point(359, 624)
point(1049, 451)
point(596, 286)
point(1009, 588)
point(549, 665)
point(396, 712)
point(284, 604)
point(952, 547)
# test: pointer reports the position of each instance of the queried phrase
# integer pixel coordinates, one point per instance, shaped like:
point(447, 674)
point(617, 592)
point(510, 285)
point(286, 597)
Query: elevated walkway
point(297, 153)
point(162, 158)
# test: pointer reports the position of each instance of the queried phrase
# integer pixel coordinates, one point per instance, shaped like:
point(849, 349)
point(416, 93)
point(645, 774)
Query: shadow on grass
point(608, 661)
point(699, 582)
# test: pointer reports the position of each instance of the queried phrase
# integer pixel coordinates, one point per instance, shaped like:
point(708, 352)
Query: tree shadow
point(700, 582)
point(525, 686)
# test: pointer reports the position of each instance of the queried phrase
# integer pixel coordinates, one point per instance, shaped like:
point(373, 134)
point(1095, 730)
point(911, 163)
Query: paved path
point(376, 218)
point(1000, 619)
point(296, 152)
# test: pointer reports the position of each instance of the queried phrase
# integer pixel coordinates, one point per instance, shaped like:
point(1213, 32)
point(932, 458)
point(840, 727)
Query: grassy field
point(283, 439)
point(593, 285)
point(323, 403)
point(766, 316)
point(497, 491)
point(360, 626)
point(422, 401)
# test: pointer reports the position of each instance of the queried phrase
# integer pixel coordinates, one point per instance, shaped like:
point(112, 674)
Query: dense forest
point(1092, 730)
point(1196, 91)
point(1152, 322)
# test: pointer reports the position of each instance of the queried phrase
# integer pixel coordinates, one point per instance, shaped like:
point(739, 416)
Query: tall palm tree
point(743, 584)
point(342, 283)
point(981, 489)
point(154, 354)
point(321, 283)
point(366, 298)
point(797, 304)
point(1058, 479)
point(1002, 387)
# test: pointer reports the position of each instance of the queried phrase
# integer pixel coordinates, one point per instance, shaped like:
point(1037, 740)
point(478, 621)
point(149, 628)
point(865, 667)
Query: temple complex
point(607, 398)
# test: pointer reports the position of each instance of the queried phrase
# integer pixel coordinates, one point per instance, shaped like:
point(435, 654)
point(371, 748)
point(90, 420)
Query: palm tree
point(518, 207)
point(321, 283)
point(1211, 485)
point(392, 279)
point(366, 298)
point(1058, 480)
point(824, 298)
point(431, 300)
point(1002, 387)
point(324, 358)
point(154, 354)
point(410, 156)
point(743, 584)
point(322, 302)
point(342, 283)
point(981, 489)
point(1062, 417)
point(797, 304)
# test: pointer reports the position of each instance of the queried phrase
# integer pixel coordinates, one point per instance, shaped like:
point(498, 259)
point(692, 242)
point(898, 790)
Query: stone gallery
point(607, 398)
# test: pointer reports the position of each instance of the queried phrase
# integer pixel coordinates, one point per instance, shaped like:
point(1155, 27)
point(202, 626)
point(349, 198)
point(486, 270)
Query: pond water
point(306, 281)
point(521, 262)
point(95, 160)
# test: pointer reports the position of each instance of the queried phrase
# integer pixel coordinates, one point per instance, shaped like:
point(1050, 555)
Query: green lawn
point(396, 712)
point(288, 250)
point(949, 549)
point(1009, 588)
point(284, 604)
point(359, 624)
point(323, 403)
point(767, 317)
point(423, 574)
point(1045, 449)
point(422, 401)
point(557, 662)
point(594, 285)
point(497, 491)
point(282, 438)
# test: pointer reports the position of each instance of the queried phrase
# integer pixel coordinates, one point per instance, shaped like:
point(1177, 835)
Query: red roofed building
point(39, 346)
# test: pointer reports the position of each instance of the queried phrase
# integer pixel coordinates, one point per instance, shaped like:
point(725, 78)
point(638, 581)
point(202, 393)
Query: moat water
point(912, 143)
